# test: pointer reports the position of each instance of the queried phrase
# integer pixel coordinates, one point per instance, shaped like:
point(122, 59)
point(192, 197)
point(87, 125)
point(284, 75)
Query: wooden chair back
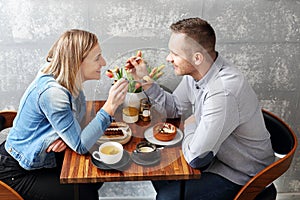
point(6, 118)
point(6, 192)
point(284, 142)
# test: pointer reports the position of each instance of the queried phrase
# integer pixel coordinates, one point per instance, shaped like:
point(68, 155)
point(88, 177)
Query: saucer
point(120, 166)
point(136, 158)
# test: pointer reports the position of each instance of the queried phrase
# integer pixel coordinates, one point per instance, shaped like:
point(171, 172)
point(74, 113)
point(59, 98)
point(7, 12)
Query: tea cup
point(109, 153)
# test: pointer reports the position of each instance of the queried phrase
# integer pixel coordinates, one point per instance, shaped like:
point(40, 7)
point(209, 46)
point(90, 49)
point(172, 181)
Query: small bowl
point(146, 150)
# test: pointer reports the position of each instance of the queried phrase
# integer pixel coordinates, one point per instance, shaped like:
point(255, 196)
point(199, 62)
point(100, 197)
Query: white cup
point(109, 153)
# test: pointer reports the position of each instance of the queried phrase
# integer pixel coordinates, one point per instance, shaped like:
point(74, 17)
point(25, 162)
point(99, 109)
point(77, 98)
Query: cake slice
point(116, 129)
point(164, 131)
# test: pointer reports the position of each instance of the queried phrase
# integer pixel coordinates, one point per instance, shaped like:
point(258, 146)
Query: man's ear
point(198, 58)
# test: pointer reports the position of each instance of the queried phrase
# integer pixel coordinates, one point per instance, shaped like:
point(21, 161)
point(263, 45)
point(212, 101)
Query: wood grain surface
point(172, 166)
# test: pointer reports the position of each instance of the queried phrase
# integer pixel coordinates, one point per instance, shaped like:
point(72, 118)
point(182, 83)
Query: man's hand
point(137, 66)
point(57, 146)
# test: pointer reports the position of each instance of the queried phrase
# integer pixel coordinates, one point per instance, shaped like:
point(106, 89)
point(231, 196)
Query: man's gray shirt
point(229, 132)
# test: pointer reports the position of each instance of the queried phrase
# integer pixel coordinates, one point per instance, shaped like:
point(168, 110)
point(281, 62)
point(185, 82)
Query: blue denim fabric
point(47, 112)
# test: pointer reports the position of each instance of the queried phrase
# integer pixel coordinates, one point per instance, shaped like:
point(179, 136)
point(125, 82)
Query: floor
point(288, 196)
point(134, 189)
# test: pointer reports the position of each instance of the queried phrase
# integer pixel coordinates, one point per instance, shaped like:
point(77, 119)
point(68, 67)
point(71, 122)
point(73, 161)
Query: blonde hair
point(66, 56)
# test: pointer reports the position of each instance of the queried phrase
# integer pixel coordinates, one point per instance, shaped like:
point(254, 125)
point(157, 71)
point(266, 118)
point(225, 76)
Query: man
point(225, 136)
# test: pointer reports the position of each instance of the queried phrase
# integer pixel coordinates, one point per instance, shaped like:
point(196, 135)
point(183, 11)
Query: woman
point(49, 118)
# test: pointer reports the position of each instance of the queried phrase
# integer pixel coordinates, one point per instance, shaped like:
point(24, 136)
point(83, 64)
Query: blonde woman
point(49, 118)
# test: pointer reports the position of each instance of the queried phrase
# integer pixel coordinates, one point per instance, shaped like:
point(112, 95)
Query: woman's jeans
point(42, 184)
point(209, 187)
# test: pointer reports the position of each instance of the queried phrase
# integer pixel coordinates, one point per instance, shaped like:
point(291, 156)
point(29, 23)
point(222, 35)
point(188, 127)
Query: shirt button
point(10, 149)
point(12, 178)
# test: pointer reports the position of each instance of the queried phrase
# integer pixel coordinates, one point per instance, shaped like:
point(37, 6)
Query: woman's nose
point(103, 62)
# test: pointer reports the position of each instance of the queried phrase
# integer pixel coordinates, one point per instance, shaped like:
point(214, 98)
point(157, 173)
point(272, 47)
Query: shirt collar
point(213, 70)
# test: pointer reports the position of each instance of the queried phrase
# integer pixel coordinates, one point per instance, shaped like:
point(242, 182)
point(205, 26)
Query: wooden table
point(79, 168)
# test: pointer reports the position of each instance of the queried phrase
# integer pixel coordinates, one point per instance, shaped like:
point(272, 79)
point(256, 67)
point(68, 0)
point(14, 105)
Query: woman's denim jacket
point(47, 112)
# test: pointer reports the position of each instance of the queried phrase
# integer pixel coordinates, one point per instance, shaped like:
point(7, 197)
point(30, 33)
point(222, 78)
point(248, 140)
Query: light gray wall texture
point(260, 36)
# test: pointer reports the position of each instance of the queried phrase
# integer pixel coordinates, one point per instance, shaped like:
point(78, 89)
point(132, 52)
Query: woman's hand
point(57, 146)
point(116, 96)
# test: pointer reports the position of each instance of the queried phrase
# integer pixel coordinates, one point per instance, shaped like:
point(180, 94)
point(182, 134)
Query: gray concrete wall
point(260, 36)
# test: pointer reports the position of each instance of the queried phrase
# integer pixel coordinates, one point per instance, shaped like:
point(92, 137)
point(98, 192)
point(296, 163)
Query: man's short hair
point(199, 30)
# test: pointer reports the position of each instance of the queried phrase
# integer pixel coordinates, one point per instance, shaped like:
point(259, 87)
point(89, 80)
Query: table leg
point(76, 192)
point(182, 189)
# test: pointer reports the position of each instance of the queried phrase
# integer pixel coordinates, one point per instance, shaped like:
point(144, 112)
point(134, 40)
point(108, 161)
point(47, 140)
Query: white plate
point(150, 138)
point(121, 139)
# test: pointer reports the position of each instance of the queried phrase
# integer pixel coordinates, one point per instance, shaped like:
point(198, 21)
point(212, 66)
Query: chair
point(284, 143)
point(6, 192)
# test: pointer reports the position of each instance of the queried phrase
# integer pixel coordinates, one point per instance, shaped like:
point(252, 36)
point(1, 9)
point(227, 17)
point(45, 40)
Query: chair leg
point(268, 193)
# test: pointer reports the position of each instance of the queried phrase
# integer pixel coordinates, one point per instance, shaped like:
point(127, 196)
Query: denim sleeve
point(79, 106)
point(95, 128)
point(55, 103)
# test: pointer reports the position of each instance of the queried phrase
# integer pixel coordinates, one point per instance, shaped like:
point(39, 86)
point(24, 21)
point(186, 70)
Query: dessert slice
point(116, 129)
point(164, 131)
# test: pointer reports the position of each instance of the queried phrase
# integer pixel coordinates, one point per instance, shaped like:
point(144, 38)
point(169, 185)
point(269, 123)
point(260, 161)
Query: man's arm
point(204, 136)
point(174, 104)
